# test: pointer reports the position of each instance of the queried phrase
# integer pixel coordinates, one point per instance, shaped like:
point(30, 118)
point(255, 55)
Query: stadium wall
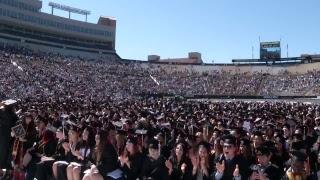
point(57, 50)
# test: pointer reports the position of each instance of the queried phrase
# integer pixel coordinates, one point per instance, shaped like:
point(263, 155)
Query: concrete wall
point(67, 52)
point(45, 28)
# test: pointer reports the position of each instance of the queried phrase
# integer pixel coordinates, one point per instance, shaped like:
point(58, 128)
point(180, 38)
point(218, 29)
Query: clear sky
point(219, 29)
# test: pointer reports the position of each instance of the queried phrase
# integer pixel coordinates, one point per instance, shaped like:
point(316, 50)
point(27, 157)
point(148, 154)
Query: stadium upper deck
point(22, 23)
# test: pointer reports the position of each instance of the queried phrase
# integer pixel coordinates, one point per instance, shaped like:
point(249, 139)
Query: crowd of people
point(25, 74)
point(83, 119)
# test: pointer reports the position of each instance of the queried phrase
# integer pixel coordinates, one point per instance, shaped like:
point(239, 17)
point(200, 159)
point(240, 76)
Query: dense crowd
point(25, 74)
point(82, 119)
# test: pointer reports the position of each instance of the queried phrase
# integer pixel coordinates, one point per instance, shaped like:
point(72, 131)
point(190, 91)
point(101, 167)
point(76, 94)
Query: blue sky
point(219, 29)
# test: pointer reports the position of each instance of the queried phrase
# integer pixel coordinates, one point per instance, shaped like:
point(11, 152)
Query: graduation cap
point(141, 131)
point(298, 156)
point(73, 126)
point(205, 144)
point(229, 139)
point(245, 142)
point(118, 124)
point(258, 133)
point(8, 102)
point(298, 136)
point(153, 144)
point(42, 119)
point(132, 140)
point(263, 150)
point(298, 145)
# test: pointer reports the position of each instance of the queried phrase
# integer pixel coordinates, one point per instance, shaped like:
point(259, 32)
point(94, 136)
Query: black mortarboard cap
point(263, 150)
point(154, 144)
point(132, 140)
point(229, 139)
point(205, 144)
point(245, 142)
point(298, 156)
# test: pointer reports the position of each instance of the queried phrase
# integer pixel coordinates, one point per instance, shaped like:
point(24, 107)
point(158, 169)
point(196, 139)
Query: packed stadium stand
point(71, 108)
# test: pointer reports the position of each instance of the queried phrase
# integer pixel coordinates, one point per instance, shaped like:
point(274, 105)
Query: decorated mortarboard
point(117, 124)
point(8, 102)
point(141, 131)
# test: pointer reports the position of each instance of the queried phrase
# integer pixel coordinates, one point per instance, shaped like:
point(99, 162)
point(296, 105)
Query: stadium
point(72, 108)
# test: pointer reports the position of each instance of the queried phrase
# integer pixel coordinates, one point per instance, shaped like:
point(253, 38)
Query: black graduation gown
point(176, 170)
point(154, 169)
point(109, 160)
point(230, 166)
point(7, 120)
point(273, 172)
point(136, 162)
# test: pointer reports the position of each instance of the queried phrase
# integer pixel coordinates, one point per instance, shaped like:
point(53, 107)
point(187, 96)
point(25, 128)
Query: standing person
point(231, 165)
point(8, 119)
point(21, 144)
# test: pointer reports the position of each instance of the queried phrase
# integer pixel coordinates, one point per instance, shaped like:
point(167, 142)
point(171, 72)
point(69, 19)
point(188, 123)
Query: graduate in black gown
point(131, 160)
point(154, 167)
point(8, 119)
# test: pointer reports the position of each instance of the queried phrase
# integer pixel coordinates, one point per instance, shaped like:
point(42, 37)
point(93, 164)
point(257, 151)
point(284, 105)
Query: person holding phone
point(264, 169)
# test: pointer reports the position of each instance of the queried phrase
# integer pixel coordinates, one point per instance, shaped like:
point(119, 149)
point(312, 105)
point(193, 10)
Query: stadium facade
point(23, 24)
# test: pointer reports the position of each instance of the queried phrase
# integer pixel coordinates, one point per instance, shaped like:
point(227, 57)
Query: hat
point(141, 132)
point(298, 145)
point(204, 144)
point(263, 150)
point(257, 133)
point(154, 144)
point(245, 142)
point(298, 156)
point(8, 102)
point(298, 136)
point(42, 119)
point(132, 140)
point(229, 139)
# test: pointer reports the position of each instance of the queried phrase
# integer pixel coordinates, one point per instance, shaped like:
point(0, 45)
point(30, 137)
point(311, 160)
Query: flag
point(154, 79)
point(15, 64)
